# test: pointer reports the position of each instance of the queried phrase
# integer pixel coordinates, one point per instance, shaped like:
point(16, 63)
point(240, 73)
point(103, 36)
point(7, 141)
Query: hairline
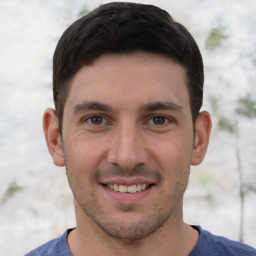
point(67, 84)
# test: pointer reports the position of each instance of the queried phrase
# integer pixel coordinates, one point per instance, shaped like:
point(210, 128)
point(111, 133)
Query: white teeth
point(123, 189)
point(128, 189)
point(138, 187)
point(132, 189)
point(116, 187)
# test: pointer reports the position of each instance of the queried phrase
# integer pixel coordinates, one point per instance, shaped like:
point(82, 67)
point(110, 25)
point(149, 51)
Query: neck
point(174, 238)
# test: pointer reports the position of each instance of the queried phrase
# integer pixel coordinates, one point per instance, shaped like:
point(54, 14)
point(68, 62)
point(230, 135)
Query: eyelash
point(89, 120)
point(167, 120)
point(149, 121)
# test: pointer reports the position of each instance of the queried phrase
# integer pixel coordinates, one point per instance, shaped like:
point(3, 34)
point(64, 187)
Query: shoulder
point(211, 245)
point(55, 247)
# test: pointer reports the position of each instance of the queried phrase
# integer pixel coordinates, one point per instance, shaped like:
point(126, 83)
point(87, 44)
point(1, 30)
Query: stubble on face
point(133, 228)
point(90, 151)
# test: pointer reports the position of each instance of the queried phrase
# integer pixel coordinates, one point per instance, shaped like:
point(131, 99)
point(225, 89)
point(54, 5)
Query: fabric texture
point(211, 245)
point(207, 245)
point(55, 247)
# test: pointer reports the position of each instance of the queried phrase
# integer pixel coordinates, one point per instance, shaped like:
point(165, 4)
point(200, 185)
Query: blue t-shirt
point(207, 245)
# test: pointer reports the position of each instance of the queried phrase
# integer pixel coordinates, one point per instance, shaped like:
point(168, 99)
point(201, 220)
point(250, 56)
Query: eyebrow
point(91, 105)
point(159, 105)
point(153, 106)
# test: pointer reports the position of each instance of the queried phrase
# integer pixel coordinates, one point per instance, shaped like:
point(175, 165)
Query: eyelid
point(168, 118)
point(108, 121)
point(86, 118)
point(104, 121)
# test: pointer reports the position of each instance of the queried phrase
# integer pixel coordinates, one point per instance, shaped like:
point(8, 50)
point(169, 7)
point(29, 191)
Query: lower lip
point(127, 198)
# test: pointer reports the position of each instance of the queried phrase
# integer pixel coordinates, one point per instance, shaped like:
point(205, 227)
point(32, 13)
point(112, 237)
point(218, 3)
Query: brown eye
point(96, 120)
point(159, 120)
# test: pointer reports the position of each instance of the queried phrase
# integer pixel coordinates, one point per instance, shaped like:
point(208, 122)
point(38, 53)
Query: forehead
point(129, 80)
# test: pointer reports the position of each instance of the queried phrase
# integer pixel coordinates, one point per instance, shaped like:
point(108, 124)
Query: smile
point(128, 189)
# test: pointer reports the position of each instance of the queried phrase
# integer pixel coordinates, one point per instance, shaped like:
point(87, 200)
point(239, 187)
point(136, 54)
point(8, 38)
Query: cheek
point(84, 153)
point(173, 153)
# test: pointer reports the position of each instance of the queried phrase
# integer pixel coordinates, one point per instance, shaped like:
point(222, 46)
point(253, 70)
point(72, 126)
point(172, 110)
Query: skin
point(127, 120)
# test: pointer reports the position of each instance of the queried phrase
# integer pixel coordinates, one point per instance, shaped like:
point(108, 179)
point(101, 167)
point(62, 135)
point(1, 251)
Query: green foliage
point(246, 107)
point(214, 104)
point(225, 124)
point(13, 188)
point(215, 38)
point(206, 179)
point(83, 11)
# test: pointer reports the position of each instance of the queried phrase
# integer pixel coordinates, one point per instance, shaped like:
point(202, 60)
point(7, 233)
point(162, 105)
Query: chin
point(131, 228)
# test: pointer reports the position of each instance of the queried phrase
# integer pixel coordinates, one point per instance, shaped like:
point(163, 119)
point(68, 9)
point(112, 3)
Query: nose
point(127, 147)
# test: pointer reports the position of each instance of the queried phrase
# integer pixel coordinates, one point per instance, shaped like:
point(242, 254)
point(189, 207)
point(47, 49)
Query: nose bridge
point(127, 147)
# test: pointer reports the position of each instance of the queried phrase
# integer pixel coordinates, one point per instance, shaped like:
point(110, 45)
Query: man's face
point(128, 142)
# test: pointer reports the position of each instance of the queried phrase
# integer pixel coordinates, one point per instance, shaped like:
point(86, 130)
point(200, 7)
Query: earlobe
point(53, 137)
point(202, 134)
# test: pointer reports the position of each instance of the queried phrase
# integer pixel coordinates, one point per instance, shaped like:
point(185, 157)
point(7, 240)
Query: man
point(128, 88)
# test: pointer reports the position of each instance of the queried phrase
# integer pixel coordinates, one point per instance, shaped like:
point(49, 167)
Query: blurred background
point(35, 200)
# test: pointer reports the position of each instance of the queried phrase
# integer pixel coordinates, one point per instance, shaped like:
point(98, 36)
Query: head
point(128, 84)
point(125, 28)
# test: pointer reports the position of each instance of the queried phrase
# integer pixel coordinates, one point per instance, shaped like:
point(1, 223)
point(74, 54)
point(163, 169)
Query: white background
point(35, 200)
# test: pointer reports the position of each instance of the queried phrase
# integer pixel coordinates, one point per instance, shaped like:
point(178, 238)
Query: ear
point(53, 137)
point(202, 134)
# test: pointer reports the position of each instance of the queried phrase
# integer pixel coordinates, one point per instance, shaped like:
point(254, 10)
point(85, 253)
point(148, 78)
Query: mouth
point(131, 189)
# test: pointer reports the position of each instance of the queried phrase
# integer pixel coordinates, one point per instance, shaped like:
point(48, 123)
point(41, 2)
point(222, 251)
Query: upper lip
point(127, 181)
